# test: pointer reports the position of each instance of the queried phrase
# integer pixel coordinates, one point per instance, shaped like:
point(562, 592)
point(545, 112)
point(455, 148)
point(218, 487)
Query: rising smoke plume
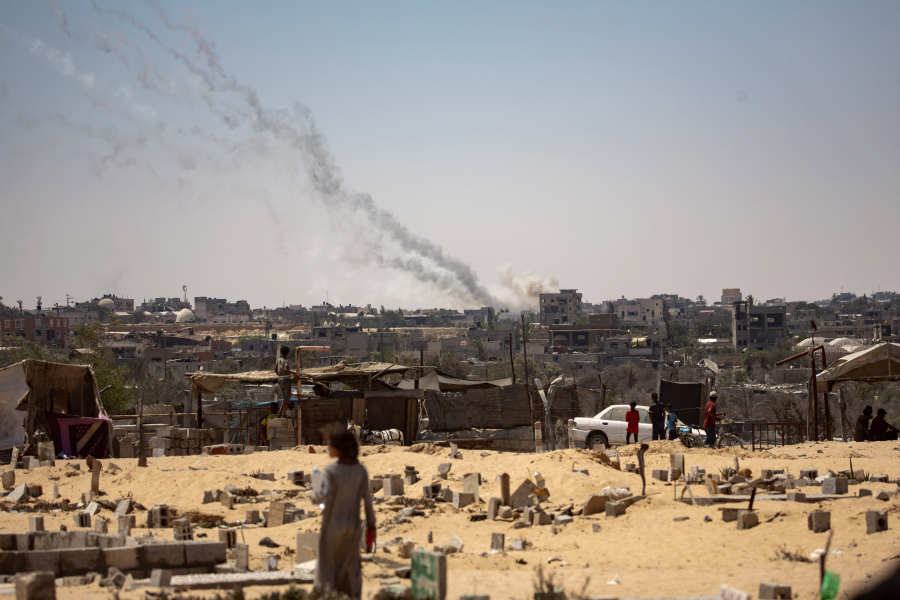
point(238, 104)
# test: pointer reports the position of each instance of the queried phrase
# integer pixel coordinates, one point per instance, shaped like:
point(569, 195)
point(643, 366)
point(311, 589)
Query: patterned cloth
point(79, 436)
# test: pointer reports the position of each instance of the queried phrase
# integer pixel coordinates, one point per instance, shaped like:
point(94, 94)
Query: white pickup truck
point(608, 427)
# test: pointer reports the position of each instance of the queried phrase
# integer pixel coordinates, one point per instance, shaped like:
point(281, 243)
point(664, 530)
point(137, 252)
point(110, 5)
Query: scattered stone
point(268, 543)
point(82, 519)
point(405, 548)
point(707, 519)
point(444, 468)
point(101, 525)
point(614, 509)
point(39, 585)
point(462, 499)
point(863, 492)
point(563, 520)
point(456, 543)
point(679, 519)
point(505, 512)
point(595, 504)
point(876, 520)
point(8, 479)
point(270, 563)
point(747, 519)
point(18, 494)
point(403, 572)
point(597, 528)
point(882, 495)
point(241, 557)
point(126, 524)
point(517, 545)
point(493, 508)
point(796, 497)
point(881, 478)
point(541, 518)
point(819, 521)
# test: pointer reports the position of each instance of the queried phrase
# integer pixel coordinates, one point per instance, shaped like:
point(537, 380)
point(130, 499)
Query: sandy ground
point(653, 555)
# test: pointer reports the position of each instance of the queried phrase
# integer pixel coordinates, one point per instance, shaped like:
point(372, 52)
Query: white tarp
point(13, 387)
point(875, 363)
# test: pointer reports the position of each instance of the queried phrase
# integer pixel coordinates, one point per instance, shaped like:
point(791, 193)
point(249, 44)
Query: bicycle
point(692, 438)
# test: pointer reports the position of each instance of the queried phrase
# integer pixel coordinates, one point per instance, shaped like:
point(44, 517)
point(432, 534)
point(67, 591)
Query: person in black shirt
point(658, 418)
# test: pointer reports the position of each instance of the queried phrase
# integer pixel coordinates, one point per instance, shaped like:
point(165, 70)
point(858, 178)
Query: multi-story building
point(641, 312)
point(46, 329)
point(208, 307)
point(560, 309)
point(759, 326)
point(730, 296)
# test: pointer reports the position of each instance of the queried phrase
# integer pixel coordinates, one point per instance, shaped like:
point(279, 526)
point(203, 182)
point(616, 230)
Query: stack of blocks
point(126, 446)
point(158, 517)
point(183, 530)
point(282, 434)
point(178, 441)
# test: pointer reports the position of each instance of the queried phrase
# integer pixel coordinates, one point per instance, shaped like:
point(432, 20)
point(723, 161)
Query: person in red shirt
point(709, 420)
point(632, 417)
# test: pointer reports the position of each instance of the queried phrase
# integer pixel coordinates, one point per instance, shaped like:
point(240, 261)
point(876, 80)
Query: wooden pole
point(525, 356)
point(814, 395)
point(512, 362)
point(825, 400)
point(200, 410)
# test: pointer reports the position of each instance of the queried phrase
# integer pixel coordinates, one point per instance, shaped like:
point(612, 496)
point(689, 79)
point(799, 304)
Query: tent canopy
point(37, 387)
point(875, 363)
point(446, 383)
point(211, 383)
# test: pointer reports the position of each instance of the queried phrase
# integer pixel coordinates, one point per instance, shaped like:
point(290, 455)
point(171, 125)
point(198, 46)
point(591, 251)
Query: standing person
point(283, 367)
point(861, 431)
point(879, 427)
point(633, 418)
point(671, 420)
point(345, 484)
point(658, 417)
point(709, 419)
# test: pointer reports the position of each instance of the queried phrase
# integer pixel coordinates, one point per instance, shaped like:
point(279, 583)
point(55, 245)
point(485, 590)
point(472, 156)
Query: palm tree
point(701, 300)
point(751, 299)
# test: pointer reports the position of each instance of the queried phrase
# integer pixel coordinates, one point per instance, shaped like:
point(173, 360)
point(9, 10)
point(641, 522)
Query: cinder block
point(126, 524)
point(165, 555)
point(595, 504)
point(819, 521)
point(834, 485)
point(251, 517)
point(876, 520)
point(747, 519)
point(376, 484)
point(863, 492)
point(81, 560)
point(82, 519)
point(229, 537)
point(204, 553)
point(393, 486)
point(462, 499)
point(101, 525)
point(160, 578)
point(296, 477)
point(541, 518)
point(40, 560)
point(809, 473)
point(36, 586)
point(8, 479)
point(35, 524)
point(562, 520)
point(505, 512)
point(498, 542)
point(774, 591)
point(796, 497)
point(493, 508)
point(124, 559)
point(614, 509)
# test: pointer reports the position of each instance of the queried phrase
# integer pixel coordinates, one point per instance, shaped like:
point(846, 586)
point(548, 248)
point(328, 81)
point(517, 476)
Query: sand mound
point(426, 448)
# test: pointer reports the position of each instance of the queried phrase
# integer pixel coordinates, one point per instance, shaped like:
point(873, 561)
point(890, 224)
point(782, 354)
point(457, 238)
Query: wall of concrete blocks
point(179, 441)
point(282, 434)
point(80, 552)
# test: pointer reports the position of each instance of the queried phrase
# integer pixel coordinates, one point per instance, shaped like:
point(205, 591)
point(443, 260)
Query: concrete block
point(101, 525)
point(251, 517)
point(182, 530)
point(673, 474)
point(809, 473)
point(541, 518)
point(296, 477)
point(881, 478)
point(200, 553)
point(876, 520)
point(82, 519)
point(124, 559)
point(444, 468)
point(8, 479)
point(162, 555)
point(446, 495)
point(36, 586)
point(126, 524)
point(471, 483)
point(493, 508)
point(228, 537)
point(40, 560)
point(456, 543)
point(505, 512)
point(498, 542)
point(614, 509)
point(562, 520)
point(376, 484)
point(405, 548)
point(834, 485)
point(31, 463)
point(81, 560)
point(18, 494)
point(160, 578)
point(774, 591)
point(462, 499)
point(241, 557)
point(596, 528)
point(518, 545)
point(594, 504)
point(796, 497)
point(819, 521)
point(309, 540)
point(35, 524)
point(393, 487)
point(747, 519)
point(431, 491)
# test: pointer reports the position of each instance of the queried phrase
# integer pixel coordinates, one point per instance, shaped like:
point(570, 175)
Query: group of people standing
point(662, 419)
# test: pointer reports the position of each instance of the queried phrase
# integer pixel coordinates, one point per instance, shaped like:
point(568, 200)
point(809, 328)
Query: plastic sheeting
point(876, 363)
point(13, 387)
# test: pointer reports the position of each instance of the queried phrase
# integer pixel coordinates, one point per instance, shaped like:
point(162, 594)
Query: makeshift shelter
point(437, 380)
point(61, 400)
point(874, 364)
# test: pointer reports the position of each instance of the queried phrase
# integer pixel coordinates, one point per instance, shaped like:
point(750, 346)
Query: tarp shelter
point(874, 364)
point(39, 388)
point(446, 383)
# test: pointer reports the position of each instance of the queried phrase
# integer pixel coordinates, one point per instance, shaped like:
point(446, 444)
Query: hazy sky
point(619, 148)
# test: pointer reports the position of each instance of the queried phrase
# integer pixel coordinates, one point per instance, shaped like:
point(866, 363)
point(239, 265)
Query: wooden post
point(814, 394)
point(525, 357)
point(142, 460)
point(512, 362)
point(200, 410)
point(825, 399)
